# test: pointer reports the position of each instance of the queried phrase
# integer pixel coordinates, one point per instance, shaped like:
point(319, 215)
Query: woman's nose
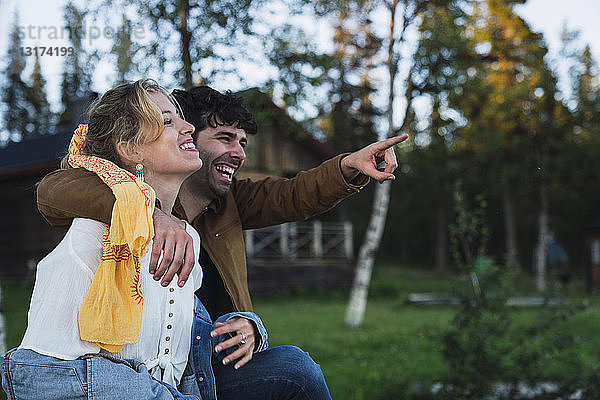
point(186, 128)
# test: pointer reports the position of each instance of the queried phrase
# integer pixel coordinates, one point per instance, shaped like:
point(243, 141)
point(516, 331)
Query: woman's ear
point(129, 153)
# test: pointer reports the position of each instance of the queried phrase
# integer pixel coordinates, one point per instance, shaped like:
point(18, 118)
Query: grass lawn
point(397, 346)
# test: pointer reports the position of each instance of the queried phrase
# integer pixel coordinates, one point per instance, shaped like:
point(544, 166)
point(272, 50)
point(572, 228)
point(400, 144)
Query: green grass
point(392, 347)
point(396, 348)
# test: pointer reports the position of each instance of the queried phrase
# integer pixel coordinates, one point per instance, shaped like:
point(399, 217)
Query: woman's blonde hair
point(125, 113)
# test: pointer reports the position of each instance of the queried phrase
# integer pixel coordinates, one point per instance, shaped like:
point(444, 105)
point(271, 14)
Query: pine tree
point(509, 103)
point(16, 114)
point(37, 98)
point(194, 37)
point(125, 50)
point(440, 69)
point(76, 80)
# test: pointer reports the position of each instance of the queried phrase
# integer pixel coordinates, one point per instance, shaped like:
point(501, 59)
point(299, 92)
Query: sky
point(545, 16)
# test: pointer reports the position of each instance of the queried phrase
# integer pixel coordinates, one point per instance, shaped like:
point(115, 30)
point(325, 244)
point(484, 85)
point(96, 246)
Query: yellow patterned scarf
point(111, 313)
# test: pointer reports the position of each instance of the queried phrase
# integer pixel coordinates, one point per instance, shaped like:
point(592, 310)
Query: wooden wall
point(25, 236)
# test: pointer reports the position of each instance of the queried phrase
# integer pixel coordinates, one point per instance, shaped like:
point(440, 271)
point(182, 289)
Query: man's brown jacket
point(65, 194)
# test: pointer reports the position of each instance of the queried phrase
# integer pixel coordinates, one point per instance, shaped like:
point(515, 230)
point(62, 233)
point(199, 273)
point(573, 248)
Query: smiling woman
point(168, 159)
point(86, 309)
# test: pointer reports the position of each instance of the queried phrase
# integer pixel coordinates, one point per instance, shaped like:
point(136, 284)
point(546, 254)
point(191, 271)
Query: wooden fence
point(299, 255)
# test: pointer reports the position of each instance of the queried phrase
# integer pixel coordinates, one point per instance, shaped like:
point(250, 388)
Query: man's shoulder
point(71, 175)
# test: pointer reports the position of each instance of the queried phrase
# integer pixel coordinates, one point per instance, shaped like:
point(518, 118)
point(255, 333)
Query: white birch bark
point(357, 304)
point(510, 232)
point(543, 234)
point(441, 241)
point(364, 266)
point(2, 326)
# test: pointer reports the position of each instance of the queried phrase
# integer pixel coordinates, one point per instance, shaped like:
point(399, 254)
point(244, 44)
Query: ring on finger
point(243, 341)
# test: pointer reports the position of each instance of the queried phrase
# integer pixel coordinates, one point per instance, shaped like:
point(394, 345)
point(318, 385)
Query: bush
point(489, 356)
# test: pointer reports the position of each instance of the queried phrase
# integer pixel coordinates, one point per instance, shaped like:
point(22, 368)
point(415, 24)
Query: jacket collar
point(217, 206)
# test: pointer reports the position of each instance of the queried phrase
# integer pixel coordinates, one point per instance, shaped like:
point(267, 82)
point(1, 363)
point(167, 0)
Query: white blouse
point(62, 280)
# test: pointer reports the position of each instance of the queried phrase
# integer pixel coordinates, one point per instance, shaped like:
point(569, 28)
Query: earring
point(139, 171)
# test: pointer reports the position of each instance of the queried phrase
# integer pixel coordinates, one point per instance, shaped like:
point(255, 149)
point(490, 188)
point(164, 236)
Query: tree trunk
point(441, 242)
point(2, 326)
point(186, 39)
point(510, 232)
point(364, 266)
point(543, 233)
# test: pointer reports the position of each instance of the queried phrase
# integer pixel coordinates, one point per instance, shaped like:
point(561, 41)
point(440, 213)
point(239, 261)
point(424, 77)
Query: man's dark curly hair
point(203, 107)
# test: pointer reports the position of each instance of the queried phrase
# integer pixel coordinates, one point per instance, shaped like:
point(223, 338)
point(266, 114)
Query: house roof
point(36, 154)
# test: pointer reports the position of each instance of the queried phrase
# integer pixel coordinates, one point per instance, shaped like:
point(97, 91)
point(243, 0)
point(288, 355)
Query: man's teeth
point(224, 169)
point(187, 145)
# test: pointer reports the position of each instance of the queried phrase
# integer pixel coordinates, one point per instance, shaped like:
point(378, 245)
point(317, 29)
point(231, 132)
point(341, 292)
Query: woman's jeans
point(283, 372)
point(29, 375)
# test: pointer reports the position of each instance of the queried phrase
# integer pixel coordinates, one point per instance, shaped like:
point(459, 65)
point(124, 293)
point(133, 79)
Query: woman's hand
point(245, 339)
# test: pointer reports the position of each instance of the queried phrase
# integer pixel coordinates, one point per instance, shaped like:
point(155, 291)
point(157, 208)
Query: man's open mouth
point(225, 171)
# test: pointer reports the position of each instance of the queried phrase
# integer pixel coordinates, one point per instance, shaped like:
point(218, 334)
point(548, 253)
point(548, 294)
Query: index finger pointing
point(387, 143)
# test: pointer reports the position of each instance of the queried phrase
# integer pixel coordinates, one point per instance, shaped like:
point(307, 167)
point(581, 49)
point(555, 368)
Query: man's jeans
point(283, 372)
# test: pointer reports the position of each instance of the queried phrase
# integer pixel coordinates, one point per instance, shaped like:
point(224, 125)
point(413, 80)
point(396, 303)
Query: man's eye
point(168, 121)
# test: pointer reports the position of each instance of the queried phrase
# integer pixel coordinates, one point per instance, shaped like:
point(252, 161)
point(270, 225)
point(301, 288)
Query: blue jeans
point(29, 375)
point(283, 372)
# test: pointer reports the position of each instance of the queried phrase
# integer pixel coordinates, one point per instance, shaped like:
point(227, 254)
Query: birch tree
point(2, 325)
point(403, 15)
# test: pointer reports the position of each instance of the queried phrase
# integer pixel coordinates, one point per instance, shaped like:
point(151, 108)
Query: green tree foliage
point(15, 91)
point(507, 99)
point(439, 73)
point(42, 116)
point(349, 124)
point(125, 50)
point(192, 37)
point(494, 118)
point(77, 66)
point(345, 112)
